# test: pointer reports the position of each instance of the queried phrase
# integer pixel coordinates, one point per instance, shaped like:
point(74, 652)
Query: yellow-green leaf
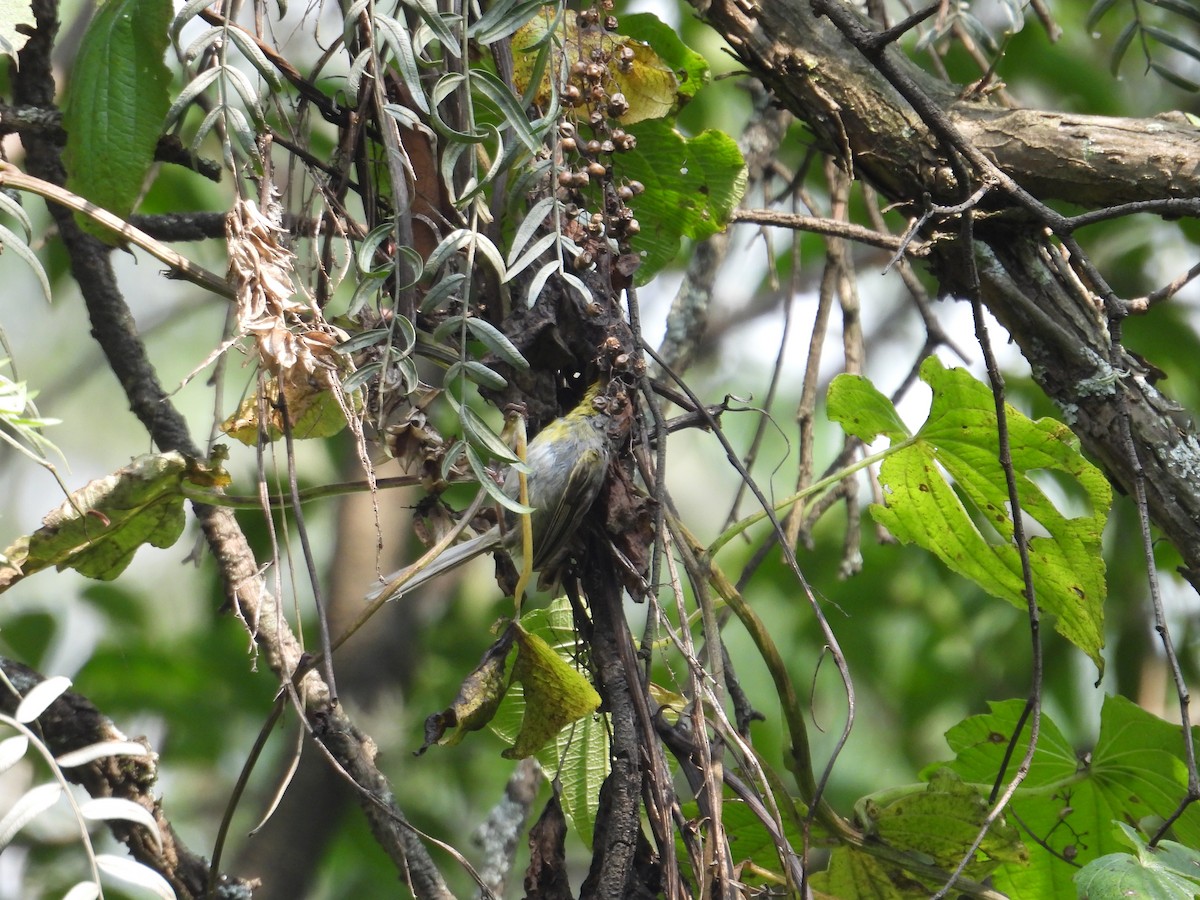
point(556, 694)
point(632, 68)
point(478, 698)
point(99, 527)
point(946, 491)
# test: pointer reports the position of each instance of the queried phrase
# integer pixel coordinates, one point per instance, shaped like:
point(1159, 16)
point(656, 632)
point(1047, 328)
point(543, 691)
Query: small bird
point(567, 462)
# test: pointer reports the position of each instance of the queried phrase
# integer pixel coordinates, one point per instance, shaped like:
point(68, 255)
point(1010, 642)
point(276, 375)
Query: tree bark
point(1067, 333)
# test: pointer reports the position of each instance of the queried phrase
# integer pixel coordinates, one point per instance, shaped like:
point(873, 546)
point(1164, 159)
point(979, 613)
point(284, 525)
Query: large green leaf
point(116, 103)
point(692, 187)
point(946, 478)
point(1168, 871)
point(1067, 804)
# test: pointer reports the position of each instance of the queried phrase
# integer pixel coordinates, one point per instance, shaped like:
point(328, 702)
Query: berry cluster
point(592, 89)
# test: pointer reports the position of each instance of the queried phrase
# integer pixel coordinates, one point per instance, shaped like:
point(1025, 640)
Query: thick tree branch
point(72, 722)
point(115, 332)
point(858, 115)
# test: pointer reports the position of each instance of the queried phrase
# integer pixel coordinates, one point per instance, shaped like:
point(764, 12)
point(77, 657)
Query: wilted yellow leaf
point(630, 67)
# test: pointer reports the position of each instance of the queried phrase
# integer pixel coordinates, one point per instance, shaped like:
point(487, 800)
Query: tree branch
point(856, 113)
point(72, 722)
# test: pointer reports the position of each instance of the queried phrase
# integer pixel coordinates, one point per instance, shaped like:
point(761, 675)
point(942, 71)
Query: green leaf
point(480, 435)
point(478, 373)
point(98, 528)
point(1171, 76)
point(479, 697)
point(1096, 13)
point(1067, 803)
point(862, 411)
point(475, 461)
point(1121, 44)
point(691, 69)
point(508, 104)
point(1182, 8)
point(692, 187)
point(497, 341)
point(116, 104)
point(579, 755)
point(556, 694)
point(941, 821)
point(852, 873)
point(1169, 871)
point(1172, 40)
point(958, 443)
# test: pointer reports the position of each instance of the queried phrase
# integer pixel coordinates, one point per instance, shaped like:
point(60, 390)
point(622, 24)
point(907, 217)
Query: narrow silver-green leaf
point(1180, 8)
point(1124, 39)
point(10, 241)
point(13, 207)
point(489, 485)
point(1173, 41)
point(502, 19)
point(440, 24)
point(28, 807)
point(539, 281)
point(1174, 77)
point(508, 104)
point(1096, 13)
point(529, 226)
point(442, 291)
point(496, 341)
point(543, 244)
point(477, 372)
point(397, 36)
point(185, 15)
point(190, 92)
point(256, 57)
point(40, 696)
point(480, 435)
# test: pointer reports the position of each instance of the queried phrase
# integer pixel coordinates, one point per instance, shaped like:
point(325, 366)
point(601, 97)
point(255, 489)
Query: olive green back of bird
point(567, 460)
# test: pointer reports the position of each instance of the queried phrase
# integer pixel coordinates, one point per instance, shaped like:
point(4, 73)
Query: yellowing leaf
point(478, 697)
point(313, 410)
point(630, 67)
point(555, 694)
point(99, 527)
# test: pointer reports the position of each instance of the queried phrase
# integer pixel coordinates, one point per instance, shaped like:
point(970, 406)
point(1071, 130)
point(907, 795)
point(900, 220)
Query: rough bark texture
point(1057, 322)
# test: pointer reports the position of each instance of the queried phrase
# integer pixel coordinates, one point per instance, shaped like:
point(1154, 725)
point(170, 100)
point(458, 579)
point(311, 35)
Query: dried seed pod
point(617, 105)
point(610, 23)
point(568, 145)
point(566, 129)
point(637, 187)
point(607, 147)
point(632, 227)
point(625, 193)
point(593, 147)
point(566, 178)
point(597, 169)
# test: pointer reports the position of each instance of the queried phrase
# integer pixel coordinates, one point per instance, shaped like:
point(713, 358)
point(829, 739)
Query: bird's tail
point(410, 578)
